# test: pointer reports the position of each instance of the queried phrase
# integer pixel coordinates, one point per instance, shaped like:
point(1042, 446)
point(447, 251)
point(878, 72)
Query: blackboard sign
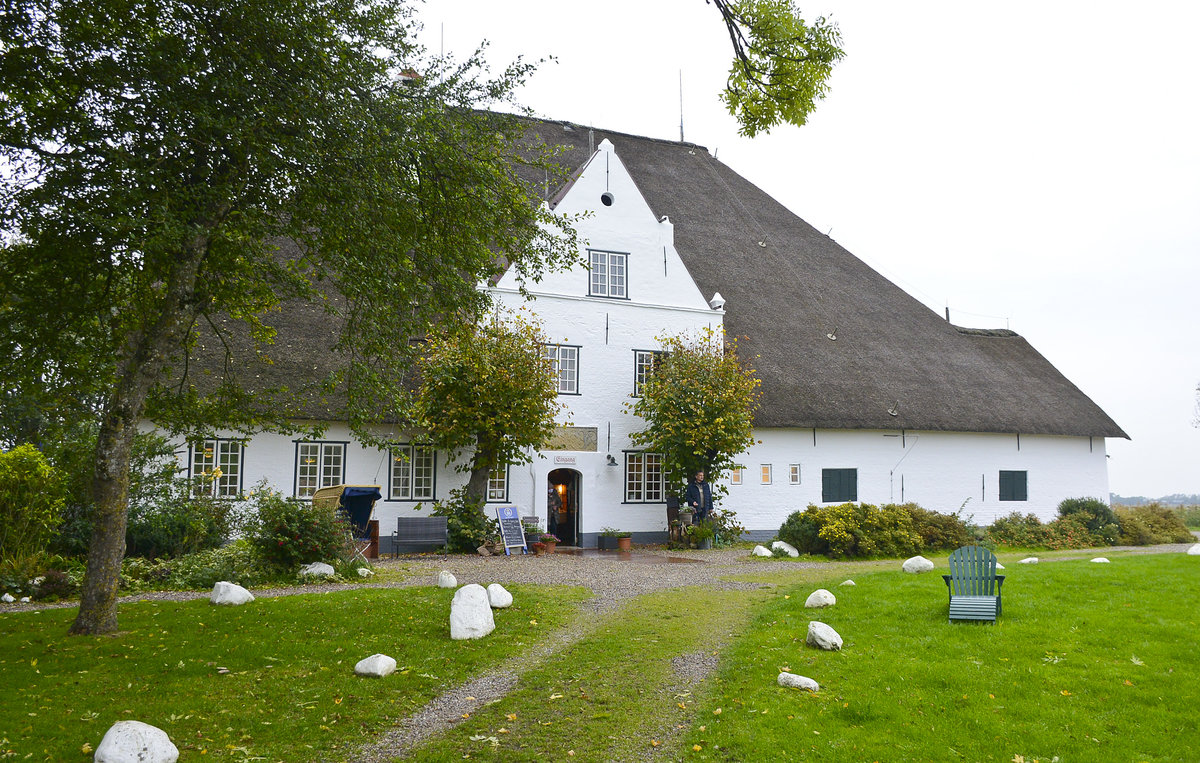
point(511, 531)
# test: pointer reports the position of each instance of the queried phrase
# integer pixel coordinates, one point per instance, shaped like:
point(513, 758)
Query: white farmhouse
point(867, 394)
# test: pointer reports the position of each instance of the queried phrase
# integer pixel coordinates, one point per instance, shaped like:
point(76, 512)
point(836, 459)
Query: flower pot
point(685, 517)
point(530, 539)
point(706, 543)
point(550, 546)
point(606, 543)
point(625, 543)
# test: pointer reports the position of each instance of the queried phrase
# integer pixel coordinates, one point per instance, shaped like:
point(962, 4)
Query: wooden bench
point(419, 534)
point(973, 584)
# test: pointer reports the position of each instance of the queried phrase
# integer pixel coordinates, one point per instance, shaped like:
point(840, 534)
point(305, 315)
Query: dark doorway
point(562, 505)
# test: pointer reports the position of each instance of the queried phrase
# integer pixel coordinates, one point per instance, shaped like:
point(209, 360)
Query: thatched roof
point(895, 364)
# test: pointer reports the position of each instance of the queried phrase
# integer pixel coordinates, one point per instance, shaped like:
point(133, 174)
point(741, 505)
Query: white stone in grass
point(231, 594)
point(822, 636)
point(820, 598)
point(793, 681)
point(25, 599)
point(446, 579)
point(8, 597)
point(762, 551)
point(1029, 560)
point(1100, 560)
point(136, 742)
point(917, 565)
point(999, 566)
point(498, 596)
point(470, 613)
point(847, 582)
point(375, 666)
point(317, 570)
point(787, 547)
point(365, 572)
point(1194, 550)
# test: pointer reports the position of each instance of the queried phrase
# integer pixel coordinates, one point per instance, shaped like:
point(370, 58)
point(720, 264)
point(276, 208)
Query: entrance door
point(562, 510)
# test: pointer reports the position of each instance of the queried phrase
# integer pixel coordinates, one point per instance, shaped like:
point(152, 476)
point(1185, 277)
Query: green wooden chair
point(973, 584)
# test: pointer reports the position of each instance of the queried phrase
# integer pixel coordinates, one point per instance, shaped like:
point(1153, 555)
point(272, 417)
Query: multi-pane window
point(735, 476)
point(644, 363)
point(1014, 486)
point(217, 468)
point(565, 358)
point(644, 478)
point(839, 485)
point(608, 274)
point(412, 473)
point(497, 487)
point(318, 465)
point(794, 473)
point(765, 474)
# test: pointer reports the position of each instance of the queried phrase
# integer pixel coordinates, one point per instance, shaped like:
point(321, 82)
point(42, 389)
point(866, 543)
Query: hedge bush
point(32, 496)
point(467, 526)
point(1097, 515)
point(288, 533)
point(1150, 524)
point(175, 523)
point(861, 530)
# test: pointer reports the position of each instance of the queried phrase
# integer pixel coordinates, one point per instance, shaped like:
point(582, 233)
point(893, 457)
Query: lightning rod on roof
point(681, 105)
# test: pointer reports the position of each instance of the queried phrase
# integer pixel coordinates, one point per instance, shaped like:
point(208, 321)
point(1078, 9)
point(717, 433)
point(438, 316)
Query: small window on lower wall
point(839, 485)
point(1014, 486)
point(497, 488)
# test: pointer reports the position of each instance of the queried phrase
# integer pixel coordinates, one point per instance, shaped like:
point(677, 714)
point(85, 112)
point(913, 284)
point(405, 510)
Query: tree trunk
point(143, 360)
point(477, 484)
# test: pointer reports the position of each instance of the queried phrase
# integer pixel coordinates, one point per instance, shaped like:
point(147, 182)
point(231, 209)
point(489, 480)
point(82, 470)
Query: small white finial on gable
point(717, 302)
point(605, 145)
point(668, 230)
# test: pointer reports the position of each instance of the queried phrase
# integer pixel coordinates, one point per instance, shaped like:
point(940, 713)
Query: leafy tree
point(490, 389)
point(183, 173)
point(698, 404)
point(781, 63)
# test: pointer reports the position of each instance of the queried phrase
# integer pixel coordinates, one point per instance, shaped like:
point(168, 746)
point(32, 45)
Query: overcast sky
point(1031, 165)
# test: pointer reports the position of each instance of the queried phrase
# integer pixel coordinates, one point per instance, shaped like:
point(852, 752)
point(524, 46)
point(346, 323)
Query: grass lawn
point(290, 692)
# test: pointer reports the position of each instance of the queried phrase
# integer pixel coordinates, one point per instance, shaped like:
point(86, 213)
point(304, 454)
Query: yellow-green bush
point(863, 530)
point(1150, 524)
point(32, 494)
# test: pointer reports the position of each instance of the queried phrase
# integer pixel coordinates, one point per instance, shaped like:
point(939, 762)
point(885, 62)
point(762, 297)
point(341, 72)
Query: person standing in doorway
point(699, 497)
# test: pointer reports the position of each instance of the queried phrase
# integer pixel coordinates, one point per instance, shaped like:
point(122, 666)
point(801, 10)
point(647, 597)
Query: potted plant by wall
point(532, 532)
point(538, 548)
point(685, 515)
point(608, 539)
point(624, 541)
point(701, 535)
point(550, 540)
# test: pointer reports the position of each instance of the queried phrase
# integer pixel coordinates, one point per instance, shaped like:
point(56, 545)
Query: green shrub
point(32, 496)
point(726, 526)
point(176, 523)
point(1017, 531)
point(288, 533)
point(861, 530)
point(939, 531)
point(1072, 531)
point(1150, 524)
point(1189, 515)
point(27, 575)
point(467, 526)
point(801, 528)
point(239, 562)
point(1097, 515)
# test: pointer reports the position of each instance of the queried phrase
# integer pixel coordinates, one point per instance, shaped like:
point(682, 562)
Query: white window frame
point(209, 456)
point(644, 479)
point(319, 464)
point(565, 358)
point(608, 274)
point(794, 473)
point(413, 474)
point(736, 476)
point(644, 362)
point(497, 485)
point(764, 473)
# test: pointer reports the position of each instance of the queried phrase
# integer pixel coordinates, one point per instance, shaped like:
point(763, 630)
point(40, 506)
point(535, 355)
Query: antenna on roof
point(681, 105)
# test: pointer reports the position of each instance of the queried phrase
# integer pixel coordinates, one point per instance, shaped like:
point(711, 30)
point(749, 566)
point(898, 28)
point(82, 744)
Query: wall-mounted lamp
point(611, 461)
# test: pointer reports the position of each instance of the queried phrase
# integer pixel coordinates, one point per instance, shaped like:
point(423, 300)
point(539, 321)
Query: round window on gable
point(606, 199)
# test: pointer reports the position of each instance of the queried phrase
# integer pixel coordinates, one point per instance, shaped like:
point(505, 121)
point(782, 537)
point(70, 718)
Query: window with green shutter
point(1014, 486)
point(839, 485)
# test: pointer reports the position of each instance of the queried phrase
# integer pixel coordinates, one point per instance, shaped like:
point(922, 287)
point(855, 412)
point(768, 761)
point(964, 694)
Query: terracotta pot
point(550, 546)
point(624, 543)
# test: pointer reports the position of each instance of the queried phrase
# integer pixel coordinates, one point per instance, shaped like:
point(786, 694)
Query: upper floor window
point(608, 274)
point(216, 468)
point(839, 485)
point(1014, 486)
point(566, 365)
point(643, 478)
point(318, 465)
point(411, 477)
point(644, 363)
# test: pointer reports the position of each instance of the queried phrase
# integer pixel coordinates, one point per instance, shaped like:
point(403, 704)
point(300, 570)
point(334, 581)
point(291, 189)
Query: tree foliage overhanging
point(161, 152)
point(698, 404)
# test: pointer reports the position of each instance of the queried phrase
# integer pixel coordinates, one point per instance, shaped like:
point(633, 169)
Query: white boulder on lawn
point(136, 742)
point(1029, 560)
point(365, 572)
point(999, 566)
point(1194, 550)
point(375, 666)
point(820, 598)
point(847, 582)
point(8, 597)
point(1100, 560)
point(917, 564)
point(446, 579)
point(230, 594)
point(498, 596)
point(471, 613)
point(787, 547)
point(822, 636)
point(762, 551)
point(317, 570)
point(793, 681)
